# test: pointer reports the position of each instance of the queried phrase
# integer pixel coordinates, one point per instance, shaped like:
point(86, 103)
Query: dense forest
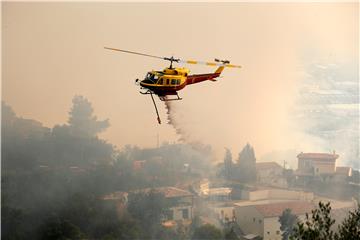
point(54, 179)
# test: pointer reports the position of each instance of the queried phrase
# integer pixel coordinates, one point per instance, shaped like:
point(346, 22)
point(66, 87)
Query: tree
point(231, 235)
point(60, 229)
point(81, 119)
point(208, 232)
point(350, 227)
point(228, 164)
point(76, 143)
point(12, 220)
point(287, 223)
point(318, 226)
point(149, 209)
point(247, 164)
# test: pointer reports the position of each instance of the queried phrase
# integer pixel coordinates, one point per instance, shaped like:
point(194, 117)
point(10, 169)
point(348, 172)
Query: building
point(276, 194)
point(261, 218)
point(221, 194)
point(182, 202)
point(138, 164)
point(119, 199)
point(224, 212)
point(316, 164)
point(343, 174)
point(271, 174)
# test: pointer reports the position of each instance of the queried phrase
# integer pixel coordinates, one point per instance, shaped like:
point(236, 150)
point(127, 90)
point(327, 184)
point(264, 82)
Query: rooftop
point(276, 209)
point(324, 156)
point(169, 192)
point(116, 196)
point(267, 165)
point(219, 191)
point(246, 203)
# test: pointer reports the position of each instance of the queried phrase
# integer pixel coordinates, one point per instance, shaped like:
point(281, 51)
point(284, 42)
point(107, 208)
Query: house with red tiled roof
point(182, 210)
point(270, 174)
point(261, 218)
point(181, 202)
point(316, 164)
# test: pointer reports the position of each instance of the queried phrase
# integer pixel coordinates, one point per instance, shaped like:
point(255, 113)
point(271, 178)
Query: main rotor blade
point(210, 63)
point(141, 54)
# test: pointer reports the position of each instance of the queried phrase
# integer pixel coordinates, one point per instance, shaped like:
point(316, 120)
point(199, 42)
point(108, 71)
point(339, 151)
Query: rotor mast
point(171, 59)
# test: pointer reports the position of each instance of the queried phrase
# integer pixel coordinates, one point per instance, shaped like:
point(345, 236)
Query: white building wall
point(258, 195)
point(178, 212)
point(280, 194)
point(272, 229)
point(324, 168)
point(249, 220)
point(224, 212)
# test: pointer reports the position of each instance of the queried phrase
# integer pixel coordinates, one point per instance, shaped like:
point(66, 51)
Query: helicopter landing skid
point(162, 98)
point(157, 112)
point(165, 99)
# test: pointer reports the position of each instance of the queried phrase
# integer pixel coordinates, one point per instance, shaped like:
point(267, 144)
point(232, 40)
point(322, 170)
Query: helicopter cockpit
point(151, 78)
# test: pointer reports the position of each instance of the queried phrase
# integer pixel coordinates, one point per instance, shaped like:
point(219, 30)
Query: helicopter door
point(160, 82)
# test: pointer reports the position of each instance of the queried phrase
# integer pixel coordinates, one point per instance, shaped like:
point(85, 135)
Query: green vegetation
point(247, 164)
point(244, 170)
point(207, 231)
point(287, 223)
point(318, 226)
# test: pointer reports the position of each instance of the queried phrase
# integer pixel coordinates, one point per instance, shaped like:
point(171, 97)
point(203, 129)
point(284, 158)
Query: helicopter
point(169, 81)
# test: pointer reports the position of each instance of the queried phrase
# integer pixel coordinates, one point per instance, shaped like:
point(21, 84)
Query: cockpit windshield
point(151, 77)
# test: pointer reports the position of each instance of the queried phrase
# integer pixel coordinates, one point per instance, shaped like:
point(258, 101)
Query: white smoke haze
point(327, 107)
point(254, 104)
point(260, 103)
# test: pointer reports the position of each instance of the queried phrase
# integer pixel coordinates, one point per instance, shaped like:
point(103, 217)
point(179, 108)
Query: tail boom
point(192, 79)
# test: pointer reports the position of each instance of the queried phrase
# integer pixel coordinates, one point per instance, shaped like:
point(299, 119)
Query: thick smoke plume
point(170, 112)
point(175, 119)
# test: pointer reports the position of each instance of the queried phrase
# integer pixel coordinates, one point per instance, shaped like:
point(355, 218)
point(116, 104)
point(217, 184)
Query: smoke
point(171, 118)
point(177, 120)
point(328, 107)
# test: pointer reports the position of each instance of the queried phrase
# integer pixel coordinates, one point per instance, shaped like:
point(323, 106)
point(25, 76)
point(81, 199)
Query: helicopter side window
point(160, 82)
point(167, 81)
point(178, 82)
point(173, 81)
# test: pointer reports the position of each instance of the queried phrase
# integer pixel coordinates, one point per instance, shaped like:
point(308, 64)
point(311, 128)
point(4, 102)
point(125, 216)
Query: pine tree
point(228, 164)
point(247, 164)
point(81, 119)
point(287, 223)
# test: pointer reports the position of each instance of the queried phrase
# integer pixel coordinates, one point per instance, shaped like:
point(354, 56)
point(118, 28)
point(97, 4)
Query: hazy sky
point(53, 51)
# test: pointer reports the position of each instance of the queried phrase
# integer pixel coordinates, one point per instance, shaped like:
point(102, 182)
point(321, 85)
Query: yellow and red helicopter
point(172, 79)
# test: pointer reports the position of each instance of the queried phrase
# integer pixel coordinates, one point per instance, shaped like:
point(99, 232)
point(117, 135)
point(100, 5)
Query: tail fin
point(220, 69)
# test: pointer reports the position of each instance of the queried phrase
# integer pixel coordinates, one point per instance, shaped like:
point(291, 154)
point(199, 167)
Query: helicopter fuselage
point(171, 80)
